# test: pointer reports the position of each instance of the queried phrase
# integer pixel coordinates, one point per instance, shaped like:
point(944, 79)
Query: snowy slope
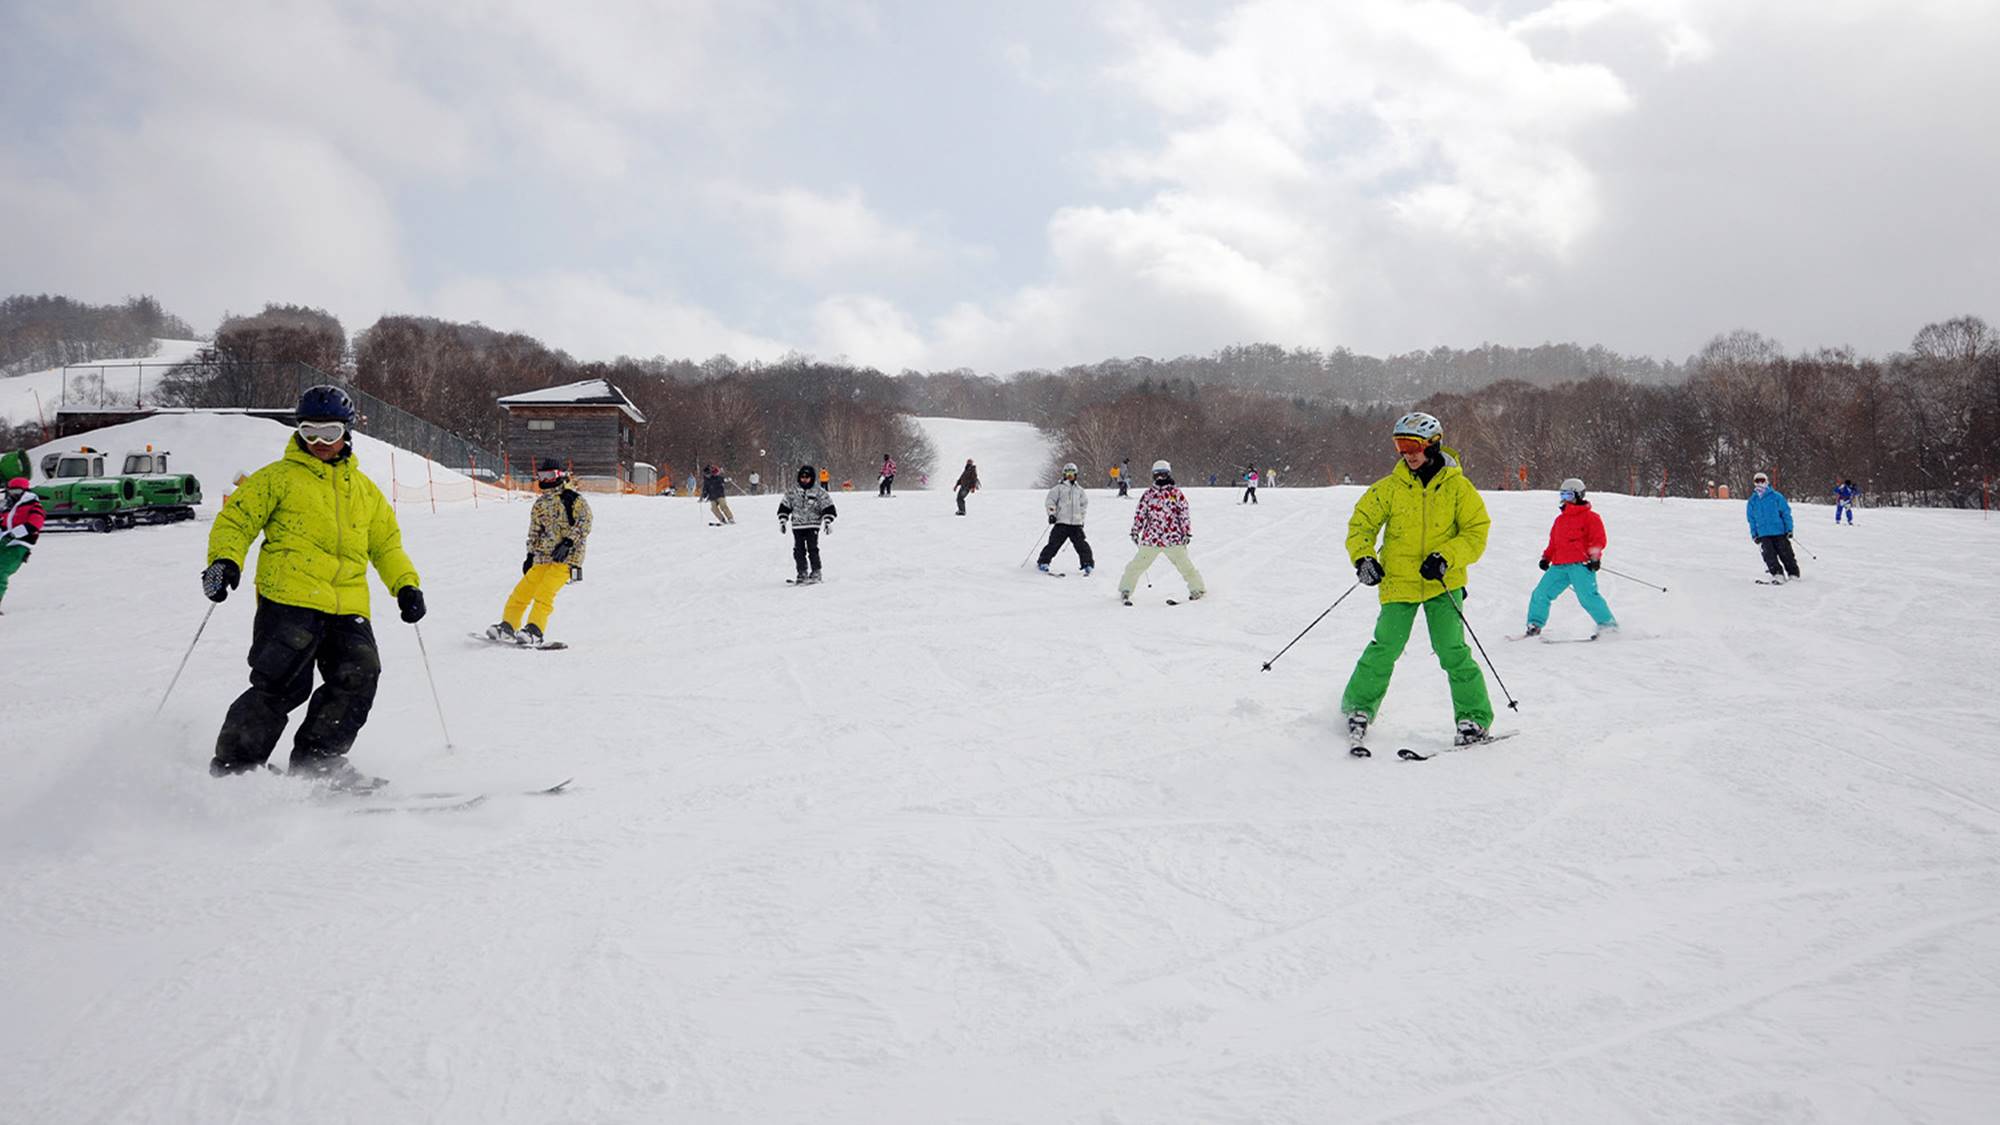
point(35, 395)
point(216, 447)
point(1009, 454)
point(941, 840)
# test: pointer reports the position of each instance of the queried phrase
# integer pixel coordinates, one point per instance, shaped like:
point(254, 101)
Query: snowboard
point(545, 646)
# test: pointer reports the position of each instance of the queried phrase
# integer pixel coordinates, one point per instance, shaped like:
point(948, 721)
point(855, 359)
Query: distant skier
point(1161, 525)
point(1250, 485)
point(21, 519)
point(1433, 526)
point(1124, 475)
point(323, 523)
point(1570, 561)
point(968, 483)
point(756, 484)
point(1843, 502)
point(888, 485)
point(1770, 516)
point(1066, 504)
point(806, 510)
point(558, 527)
point(715, 490)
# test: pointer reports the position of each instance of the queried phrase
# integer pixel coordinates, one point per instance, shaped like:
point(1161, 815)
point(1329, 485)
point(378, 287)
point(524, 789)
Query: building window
point(541, 423)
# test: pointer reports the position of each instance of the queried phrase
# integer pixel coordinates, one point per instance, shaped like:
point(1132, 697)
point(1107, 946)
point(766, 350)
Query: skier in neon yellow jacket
point(1432, 526)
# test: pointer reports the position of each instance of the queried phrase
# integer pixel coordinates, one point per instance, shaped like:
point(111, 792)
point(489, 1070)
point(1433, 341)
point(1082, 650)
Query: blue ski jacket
point(1769, 513)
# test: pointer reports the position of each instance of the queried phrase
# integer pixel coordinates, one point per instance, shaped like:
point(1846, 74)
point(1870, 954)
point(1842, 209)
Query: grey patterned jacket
point(806, 507)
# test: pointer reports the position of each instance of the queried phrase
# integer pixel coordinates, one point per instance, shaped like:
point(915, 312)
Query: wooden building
point(589, 426)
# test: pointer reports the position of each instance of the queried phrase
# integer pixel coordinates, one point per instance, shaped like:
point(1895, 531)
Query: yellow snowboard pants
point(537, 589)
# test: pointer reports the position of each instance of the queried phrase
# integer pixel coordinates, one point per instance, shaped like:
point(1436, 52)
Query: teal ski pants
point(1370, 681)
point(1569, 576)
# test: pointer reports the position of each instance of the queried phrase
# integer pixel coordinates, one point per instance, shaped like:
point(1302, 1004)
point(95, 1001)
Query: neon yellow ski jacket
point(1446, 516)
point(322, 525)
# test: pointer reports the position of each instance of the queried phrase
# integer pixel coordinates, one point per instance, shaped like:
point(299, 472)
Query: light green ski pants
point(1370, 681)
point(1177, 555)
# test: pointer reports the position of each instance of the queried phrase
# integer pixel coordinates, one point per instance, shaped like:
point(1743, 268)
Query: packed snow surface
point(943, 840)
point(1009, 454)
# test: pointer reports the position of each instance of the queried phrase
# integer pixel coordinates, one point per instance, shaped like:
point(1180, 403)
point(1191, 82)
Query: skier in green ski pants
point(1433, 526)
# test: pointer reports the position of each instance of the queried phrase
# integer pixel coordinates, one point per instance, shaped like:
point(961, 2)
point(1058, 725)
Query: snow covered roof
point(589, 392)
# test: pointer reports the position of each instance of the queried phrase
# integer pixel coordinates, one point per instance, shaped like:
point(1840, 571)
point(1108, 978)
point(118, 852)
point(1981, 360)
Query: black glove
point(561, 553)
point(527, 562)
point(783, 525)
point(1592, 565)
point(826, 526)
point(1052, 519)
point(1434, 567)
point(1368, 571)
point(575, 573)
point(1545, 562)
point(219, 578)
point(411, 601)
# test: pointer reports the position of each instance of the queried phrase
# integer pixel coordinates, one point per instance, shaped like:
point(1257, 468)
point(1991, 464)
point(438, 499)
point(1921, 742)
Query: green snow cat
point(163, 496)
point(75, 490)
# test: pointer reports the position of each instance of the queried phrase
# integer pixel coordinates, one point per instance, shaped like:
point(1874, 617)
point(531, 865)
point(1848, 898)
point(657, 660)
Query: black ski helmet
point(326, 403)
point(808, 473)
point(550, 473)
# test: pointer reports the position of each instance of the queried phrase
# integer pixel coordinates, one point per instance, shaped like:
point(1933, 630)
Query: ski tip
point(1360, 752)
point(1410, 755)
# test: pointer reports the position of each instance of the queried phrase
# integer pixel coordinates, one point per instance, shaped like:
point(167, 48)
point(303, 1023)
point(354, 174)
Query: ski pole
point(1032, 551)
point(1629, 578)
point(1512, 704)
point(1309, 628)
point(184, 659)
point(1802, 546)
point(432, 677)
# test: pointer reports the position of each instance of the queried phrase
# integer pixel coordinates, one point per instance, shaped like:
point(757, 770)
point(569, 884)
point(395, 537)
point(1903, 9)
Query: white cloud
point(812, 236)
point(591, 316)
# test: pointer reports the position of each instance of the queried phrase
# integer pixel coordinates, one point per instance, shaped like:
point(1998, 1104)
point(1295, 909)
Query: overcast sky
point(930, 184)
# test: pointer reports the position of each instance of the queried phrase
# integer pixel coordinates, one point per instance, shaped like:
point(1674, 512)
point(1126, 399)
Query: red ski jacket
point(1578, 536)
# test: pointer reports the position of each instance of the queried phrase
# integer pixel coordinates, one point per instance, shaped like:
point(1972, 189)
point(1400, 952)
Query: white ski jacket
point(1067, 502)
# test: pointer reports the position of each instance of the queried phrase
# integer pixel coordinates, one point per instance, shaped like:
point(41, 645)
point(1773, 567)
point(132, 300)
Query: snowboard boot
point(1470, 734)
point(500, 631)
point(530, 636)
point(336, 773)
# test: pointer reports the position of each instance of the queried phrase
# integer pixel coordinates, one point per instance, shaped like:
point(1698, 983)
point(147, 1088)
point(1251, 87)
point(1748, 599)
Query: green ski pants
point(11, 557)
point(1370, 681)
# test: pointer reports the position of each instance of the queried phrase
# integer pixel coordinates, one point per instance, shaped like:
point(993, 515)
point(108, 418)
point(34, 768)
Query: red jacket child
point(1578, 536)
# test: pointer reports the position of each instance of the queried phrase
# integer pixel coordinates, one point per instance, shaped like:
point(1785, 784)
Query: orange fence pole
point(430, 484)
point(392, 480)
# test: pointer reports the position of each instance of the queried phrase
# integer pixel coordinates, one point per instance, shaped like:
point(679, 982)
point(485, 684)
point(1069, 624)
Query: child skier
point(1433, 526)
point(21, 518)
point(715, 490)
point(1160, 525)
point(806, 510)
point(968, 483)
point(1843, 502)
point(1066, 503)
point(1570, 561)
point(323, 523)
point(888, 485)
point(1770, 516)
point(1249, 485)
point(558, 526)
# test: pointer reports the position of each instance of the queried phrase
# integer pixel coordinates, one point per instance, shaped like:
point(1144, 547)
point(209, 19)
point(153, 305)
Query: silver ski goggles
point(322, 433)
point(1568, 496)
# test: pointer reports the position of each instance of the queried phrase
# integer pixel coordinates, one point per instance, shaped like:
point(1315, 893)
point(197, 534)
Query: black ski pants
point(1778, 555)
point(805, 549)
point(1249, 495)
point(1067, 533)
point(888, 483)
point(962, 494)
point(286, 643)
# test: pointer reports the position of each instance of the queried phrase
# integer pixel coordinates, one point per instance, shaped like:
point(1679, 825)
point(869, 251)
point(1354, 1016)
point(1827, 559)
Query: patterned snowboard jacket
point(558, 515)
point(807, 508)
point(1162, 518)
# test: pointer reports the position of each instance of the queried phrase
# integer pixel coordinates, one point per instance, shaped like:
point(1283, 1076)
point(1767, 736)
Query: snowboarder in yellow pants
point(557, 529)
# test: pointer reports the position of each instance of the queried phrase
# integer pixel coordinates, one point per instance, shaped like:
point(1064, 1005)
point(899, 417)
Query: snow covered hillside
point(1009, 454)
point(216, 447)
point(943, 840)
point(35, 395)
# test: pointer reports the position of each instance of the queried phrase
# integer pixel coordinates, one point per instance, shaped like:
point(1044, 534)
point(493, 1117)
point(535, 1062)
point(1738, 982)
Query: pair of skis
point(437, 802)
point(503, 642)
point(1408, 755)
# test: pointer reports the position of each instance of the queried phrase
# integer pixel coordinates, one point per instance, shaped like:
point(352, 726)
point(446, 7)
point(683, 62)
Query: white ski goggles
point(322, 433)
